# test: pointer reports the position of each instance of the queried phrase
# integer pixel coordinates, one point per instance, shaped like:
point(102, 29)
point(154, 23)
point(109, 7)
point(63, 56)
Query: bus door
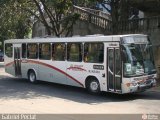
point(113, 69)
point(17, 59)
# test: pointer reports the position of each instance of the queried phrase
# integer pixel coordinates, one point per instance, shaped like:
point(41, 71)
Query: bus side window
point(32, 51)
point(24, 50)
point(85, 58)
point(45, 51)
point(93, 52)
point(74, 52)
point(58, 51)
point(9, 50)
point(53, 55)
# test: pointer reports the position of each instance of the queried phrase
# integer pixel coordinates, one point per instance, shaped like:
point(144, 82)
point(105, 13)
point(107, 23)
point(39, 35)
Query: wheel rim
point(94, 86)
point(32, 77)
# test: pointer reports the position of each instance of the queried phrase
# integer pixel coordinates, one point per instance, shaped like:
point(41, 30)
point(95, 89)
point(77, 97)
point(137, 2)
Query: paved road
point(20, 96)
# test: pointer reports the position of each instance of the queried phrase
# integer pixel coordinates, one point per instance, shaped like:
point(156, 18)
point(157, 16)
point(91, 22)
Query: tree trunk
point(115, 15)
point(48, 31)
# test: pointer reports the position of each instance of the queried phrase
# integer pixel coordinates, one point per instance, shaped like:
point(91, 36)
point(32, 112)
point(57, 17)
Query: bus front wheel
point(93, 85)
point(32, 76)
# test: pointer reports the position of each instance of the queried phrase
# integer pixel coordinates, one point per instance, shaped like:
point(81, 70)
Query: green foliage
point(85, 3)
point(15, 23)
point(60, 15)
point(17, 17)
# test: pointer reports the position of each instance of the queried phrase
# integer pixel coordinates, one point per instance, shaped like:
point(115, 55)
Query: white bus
point(119, 64)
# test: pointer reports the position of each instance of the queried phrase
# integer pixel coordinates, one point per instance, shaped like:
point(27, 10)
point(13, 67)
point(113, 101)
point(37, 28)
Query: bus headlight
point(133, 83)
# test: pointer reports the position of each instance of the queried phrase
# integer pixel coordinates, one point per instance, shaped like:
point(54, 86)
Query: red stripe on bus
point(50, 66)
point(76, 68)
point(8, 64)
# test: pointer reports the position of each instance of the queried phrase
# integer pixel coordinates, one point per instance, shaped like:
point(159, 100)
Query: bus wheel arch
point(32, 77)
point(92, 85)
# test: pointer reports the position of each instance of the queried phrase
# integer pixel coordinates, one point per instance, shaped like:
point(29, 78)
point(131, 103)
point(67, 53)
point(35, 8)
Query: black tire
point(32, 76)
point(93, 86)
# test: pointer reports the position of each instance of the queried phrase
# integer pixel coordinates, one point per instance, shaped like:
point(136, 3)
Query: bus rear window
point(8, 49)
point(93, 52)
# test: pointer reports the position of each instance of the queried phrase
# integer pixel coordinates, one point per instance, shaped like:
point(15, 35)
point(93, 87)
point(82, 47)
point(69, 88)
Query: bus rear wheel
point(93, 86)
point(32, 76)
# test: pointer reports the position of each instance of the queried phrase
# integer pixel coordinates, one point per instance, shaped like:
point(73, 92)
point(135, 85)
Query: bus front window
point(138, 59)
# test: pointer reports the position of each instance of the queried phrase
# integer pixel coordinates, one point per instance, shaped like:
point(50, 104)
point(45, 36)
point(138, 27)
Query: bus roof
point(88, 38)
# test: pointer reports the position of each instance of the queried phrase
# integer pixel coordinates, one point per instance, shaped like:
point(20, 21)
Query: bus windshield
point(138, 59)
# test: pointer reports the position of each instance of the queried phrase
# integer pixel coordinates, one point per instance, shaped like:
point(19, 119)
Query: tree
point(56, 15)
point(14, 22)
point(119, 12)
point(85, 3)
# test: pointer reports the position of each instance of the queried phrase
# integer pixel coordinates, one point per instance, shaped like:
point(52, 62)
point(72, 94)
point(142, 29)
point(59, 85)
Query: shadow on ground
point(16, 88)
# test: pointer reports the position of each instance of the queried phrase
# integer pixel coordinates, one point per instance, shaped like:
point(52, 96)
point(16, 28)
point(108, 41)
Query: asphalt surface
point(19, 96)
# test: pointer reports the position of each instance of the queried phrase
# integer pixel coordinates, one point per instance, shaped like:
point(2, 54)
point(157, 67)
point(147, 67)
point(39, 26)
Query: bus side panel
point(52, 71)
point(29, 65)
point(82, 71)
point(9, 65)
point(98, 73)
point(24, 68)
point(9, 62)
point(76, 72)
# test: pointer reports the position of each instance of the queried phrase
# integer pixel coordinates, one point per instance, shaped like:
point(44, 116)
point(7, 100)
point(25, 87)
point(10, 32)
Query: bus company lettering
point(93, 71)
point(76, 68)
point(112, 44)
point(99, 67)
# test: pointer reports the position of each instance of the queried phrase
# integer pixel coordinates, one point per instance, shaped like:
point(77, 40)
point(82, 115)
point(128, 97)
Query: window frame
point(80, 51)
point(11, 50)
point(53, 51)
point(40, 51)
point(25, 50)
point(37, 54)
point(84, 52)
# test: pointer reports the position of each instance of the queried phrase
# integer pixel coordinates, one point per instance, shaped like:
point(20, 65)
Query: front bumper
point(142, 86)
